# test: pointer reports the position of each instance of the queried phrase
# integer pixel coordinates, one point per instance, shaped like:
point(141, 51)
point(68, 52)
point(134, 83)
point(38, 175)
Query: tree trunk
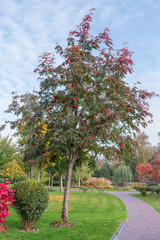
point(49, 181)
point(31, 172)
point(64, 215)
point(39, 175)
point(79, 182)
point(61, 182)
point(28, 175)
point(52, 182)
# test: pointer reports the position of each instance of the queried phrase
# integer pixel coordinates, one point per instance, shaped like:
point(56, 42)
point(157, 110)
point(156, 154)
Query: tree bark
point(28, 175)
point(64, 216)
point(61, 182)
point(52, 182)
point(39, 175)
point(49, 181)
point(31, 172)
point(79, 182)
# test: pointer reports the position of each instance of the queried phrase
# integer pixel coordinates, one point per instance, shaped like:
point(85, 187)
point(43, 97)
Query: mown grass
point(96, 216)
point(151, 199)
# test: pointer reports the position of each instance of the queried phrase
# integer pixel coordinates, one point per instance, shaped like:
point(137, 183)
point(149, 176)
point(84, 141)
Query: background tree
point(150, 171)
point(12, 170)
point(83, 166)
point(82, 172)
point(144, 153)
point(123, 175)
point(106, 171)
point(85, 102)
point(8, 149)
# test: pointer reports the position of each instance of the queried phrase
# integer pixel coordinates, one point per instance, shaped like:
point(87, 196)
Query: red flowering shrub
point(6, 196)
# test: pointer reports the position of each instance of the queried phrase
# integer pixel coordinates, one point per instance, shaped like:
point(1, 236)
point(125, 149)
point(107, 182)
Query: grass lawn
point(151, 199)
point(96, 216)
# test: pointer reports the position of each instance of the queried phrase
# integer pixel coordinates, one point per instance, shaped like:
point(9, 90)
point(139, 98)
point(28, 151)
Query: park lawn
point(97, 216)
point(152, 199)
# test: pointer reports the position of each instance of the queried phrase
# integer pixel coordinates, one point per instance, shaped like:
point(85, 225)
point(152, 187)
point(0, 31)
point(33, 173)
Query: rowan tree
point(85, 100)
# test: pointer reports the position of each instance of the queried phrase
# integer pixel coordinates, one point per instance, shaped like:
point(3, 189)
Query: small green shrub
point(30, 201)
point(143, 191)
point(150, 189)
point(19, 178)
point(84, 189)
point(2, 180)
point(157, 190)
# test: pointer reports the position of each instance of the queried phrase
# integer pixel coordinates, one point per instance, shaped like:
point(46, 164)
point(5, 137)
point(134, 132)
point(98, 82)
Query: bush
point(151, 189)
point(2, 180)
point(143, 191)
point(6, 196)
point(99, 183)
point(30, 201)
point(84, 189)
point(19, 178)
point(157, 190)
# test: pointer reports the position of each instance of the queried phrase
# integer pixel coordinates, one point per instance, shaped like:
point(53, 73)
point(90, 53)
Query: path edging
point(119, 230)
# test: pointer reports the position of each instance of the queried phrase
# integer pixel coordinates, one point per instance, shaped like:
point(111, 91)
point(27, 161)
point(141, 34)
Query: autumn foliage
point(12, 170)
point(6, 199)
point(150, 171)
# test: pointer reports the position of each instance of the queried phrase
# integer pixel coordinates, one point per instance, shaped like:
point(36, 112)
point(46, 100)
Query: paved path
point(143, 221)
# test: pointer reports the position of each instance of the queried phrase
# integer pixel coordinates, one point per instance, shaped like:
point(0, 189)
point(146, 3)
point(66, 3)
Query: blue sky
point(30, 27)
